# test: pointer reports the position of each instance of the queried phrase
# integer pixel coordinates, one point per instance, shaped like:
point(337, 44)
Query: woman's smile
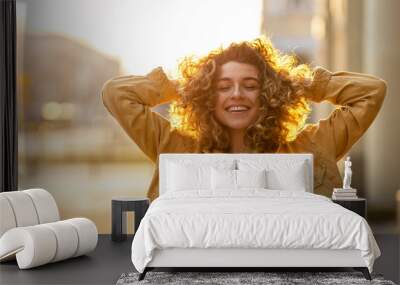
point(238, 111)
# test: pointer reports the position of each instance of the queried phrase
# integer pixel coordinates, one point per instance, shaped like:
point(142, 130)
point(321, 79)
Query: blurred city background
point(66, 50)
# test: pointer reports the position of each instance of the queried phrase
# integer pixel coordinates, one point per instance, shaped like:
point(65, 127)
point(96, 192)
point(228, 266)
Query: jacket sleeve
point(129, 99)
point(358, 98)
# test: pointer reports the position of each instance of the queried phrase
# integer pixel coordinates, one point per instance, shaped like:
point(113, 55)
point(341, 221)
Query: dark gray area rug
point(229, 278)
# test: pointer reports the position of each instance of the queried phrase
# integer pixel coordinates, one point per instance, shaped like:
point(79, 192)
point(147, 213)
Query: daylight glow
point(178, 28)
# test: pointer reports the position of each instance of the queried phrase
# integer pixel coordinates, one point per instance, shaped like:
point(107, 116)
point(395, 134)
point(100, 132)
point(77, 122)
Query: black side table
point(121, 205)
point(358, 205)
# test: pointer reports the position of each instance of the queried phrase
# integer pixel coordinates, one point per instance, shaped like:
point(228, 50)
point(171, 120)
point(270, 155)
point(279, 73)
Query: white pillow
point(281, 174)
point(236, 179)
point(181, 177)
point(251, 178)
point(292, 179)
point(223, 179)
point(186, 174)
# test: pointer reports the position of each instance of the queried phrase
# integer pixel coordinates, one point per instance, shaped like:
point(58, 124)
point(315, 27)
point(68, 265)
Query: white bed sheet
point(250, 218)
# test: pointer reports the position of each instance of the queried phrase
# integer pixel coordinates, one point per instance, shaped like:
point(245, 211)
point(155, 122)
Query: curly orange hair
point(284, 107)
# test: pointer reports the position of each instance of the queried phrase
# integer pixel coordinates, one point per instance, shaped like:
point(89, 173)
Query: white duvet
point(252, 218)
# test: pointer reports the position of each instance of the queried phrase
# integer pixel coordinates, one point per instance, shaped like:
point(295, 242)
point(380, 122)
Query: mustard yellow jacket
point(358, 98)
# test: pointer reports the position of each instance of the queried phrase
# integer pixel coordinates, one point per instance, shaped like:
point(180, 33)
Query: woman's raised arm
point(129, 98)
point(358, 98)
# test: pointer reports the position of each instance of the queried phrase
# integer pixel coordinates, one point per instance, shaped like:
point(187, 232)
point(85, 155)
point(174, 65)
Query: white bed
point(281, 226)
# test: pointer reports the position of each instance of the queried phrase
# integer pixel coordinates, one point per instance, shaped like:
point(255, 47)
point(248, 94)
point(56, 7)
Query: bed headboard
point(207, 158)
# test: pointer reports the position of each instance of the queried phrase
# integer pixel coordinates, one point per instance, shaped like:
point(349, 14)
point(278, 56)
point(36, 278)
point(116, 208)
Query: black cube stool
point(121, 205)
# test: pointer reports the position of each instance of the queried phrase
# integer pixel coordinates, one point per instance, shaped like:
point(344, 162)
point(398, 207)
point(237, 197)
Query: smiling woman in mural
point(246, 98)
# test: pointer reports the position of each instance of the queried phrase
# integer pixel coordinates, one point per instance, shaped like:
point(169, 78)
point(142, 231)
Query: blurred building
point(68, 144)
point(62, 114)
point(358, 36)
point(289, 25)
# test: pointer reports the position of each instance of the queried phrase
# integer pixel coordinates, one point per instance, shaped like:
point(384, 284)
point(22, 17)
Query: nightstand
point(358, 205)
point(119, 207)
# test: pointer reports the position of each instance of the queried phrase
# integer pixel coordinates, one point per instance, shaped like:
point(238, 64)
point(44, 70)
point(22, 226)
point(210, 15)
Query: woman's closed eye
point(224, 88)
point(251, 87)
point(247, 87)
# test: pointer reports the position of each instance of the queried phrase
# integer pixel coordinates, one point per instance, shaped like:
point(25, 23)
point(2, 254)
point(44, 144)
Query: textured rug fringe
point(244, 278)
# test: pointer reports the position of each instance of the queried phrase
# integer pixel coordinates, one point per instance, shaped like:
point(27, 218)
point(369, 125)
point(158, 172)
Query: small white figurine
point(347, 174)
